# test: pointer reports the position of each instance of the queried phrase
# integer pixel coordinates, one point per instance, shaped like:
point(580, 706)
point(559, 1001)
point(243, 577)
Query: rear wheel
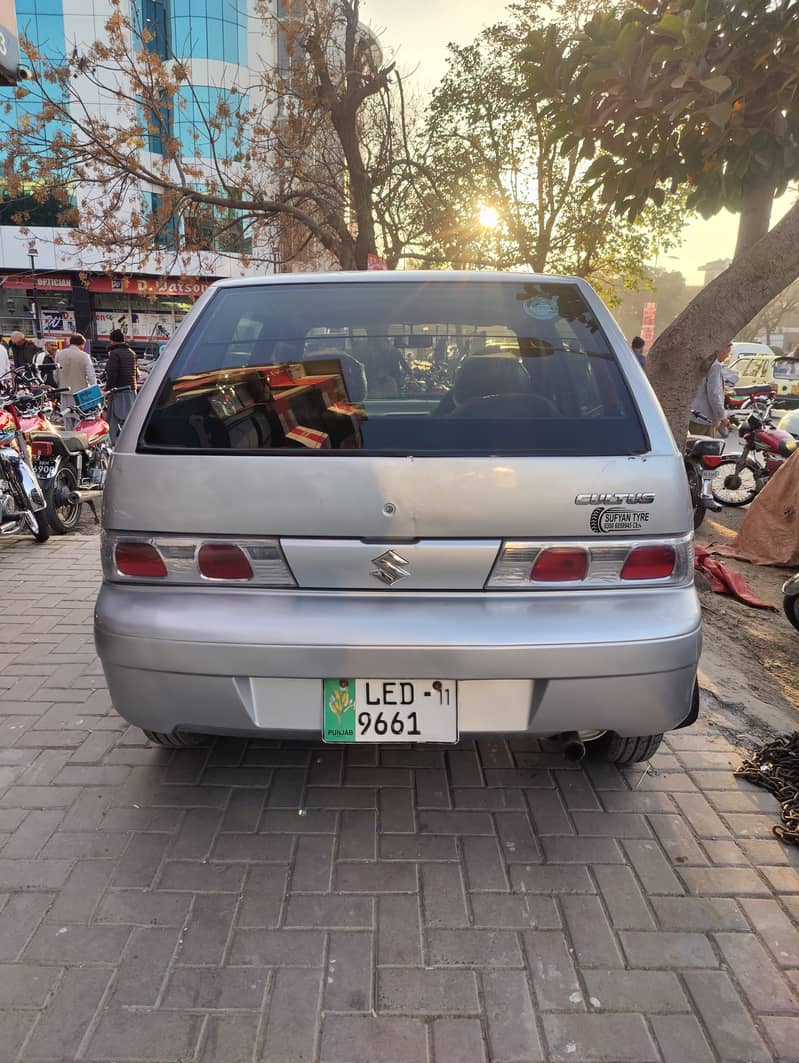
point(176, 740)
point(63, 508)
point(695, 487)
point(732, 487)
point(791, 606)
point(617, 750)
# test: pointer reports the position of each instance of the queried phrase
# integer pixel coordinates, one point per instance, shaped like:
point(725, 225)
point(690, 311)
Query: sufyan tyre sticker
point(618, 521)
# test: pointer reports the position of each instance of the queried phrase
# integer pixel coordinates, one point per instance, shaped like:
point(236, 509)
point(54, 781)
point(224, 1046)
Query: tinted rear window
point(410, 368)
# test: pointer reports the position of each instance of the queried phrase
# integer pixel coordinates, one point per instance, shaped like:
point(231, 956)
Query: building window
point(210, 29)
point(28, 208)
point(208, 120)
point(154, 18)
point(157, 121)
point(164, 223)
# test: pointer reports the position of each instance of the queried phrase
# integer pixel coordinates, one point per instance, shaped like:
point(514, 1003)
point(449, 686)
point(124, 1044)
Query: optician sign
point(43, 282)
point(9, 44)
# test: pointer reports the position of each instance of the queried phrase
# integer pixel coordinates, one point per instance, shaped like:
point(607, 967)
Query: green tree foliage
point(686, 93)
point(699, 95)
point(494, 153)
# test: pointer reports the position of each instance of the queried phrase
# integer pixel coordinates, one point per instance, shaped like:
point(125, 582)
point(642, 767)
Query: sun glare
point(489, 216)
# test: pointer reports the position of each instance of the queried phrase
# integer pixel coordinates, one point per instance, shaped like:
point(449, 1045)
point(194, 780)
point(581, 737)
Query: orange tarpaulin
point(769, 534)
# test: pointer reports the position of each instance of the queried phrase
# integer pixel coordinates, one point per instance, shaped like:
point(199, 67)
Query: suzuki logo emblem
point(389, 567)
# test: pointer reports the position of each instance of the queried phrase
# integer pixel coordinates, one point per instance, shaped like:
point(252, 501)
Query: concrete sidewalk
point(292, 902)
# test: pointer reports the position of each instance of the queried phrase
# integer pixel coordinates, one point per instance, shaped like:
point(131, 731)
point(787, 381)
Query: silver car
point(400, 507)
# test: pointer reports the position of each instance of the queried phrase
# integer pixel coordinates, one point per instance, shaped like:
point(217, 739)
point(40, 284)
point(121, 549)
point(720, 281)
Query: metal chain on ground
point(775, 767)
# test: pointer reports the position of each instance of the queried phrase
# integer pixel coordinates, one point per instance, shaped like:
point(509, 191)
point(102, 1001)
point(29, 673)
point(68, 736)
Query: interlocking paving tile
point(286, 901)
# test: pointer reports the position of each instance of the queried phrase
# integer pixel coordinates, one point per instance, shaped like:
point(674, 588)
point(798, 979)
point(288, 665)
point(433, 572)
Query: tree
point(700, 94)
point(772, 317)
point(293, 160)
point(506, 196)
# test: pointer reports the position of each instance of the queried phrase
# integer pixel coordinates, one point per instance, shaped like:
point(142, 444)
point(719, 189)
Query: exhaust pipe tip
point(572, 747)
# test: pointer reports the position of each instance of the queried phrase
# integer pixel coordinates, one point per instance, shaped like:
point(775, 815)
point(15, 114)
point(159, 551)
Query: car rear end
point(398, 507)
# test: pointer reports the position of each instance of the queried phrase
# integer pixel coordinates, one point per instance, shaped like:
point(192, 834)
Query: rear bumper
point(252, 662)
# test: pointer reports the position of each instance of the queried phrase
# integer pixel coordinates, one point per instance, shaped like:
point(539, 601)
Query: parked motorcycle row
point(48, 473)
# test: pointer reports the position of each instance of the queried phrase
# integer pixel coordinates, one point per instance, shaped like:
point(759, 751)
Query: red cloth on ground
point(723, 581)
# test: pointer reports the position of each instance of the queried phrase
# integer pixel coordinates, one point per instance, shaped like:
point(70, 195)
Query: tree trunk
point(685, 350)
point(755, 216)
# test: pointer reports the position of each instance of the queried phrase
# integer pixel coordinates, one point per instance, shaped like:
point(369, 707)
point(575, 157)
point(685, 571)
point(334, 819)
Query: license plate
point(43, 469)
point(390, 710)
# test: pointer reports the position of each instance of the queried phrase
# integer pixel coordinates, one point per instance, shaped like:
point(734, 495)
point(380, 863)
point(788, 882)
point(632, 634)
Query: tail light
point(649, 562)
point(712, 461)
point(560, 564)
point(41, 449)
point(592, 565)
point(140, 560)
point(195, 562)
point(223, 561)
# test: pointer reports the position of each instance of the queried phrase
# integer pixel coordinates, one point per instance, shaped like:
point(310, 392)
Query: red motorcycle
point(740, 477)
point(747, 396)
point(71, 465)
point(22, 501)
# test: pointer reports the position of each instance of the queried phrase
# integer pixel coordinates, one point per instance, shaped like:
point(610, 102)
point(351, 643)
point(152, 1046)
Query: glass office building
point(218, 37)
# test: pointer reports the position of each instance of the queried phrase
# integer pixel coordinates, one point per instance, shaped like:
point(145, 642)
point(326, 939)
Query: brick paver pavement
point(259, 901)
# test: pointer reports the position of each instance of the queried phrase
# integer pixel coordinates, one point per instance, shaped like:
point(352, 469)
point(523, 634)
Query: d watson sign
point(9, 45)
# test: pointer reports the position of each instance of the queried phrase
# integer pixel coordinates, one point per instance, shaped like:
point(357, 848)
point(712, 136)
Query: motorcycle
point(790, 600)
point(741, 477)
point(72, 465)
point(22, 502)
point(702, 457)
point(33, 402)
point(745, 397)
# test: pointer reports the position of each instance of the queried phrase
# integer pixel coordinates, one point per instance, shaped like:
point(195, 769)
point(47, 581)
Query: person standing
point(637, 347)
point(75, 371)
point(45, 362)
point(22, 351)
point(707, 410)
point(5, 361)
point(121, 381)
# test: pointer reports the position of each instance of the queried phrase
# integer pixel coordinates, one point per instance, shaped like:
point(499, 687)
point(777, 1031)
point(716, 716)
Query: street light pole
point(32, 253)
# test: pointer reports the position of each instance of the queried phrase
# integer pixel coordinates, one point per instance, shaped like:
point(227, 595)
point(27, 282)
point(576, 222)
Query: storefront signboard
point(43, 282)
point(58, 322)
point(149, 286)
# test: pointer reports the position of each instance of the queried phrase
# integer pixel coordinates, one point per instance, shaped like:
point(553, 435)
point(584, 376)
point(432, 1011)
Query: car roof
point(395, 276)
point(744, 347)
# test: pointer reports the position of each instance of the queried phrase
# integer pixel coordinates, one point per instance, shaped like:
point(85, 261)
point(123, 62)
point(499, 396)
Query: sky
point(416, 33)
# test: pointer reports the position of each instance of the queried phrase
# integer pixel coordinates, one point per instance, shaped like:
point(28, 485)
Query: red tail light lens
point(223, 561)
point(41, 449)
point(712, 461)
point(560, 564)
point(650, 562)
point(139, 559)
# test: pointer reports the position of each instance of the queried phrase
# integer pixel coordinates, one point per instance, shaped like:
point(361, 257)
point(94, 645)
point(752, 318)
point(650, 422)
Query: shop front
point(147, 310)
point(40, 303)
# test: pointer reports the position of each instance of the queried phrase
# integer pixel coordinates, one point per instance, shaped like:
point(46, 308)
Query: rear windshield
point(410, 368)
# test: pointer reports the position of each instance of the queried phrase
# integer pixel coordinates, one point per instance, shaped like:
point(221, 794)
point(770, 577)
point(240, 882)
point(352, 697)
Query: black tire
point(695, 487)
point(790, 604)
point(176, 740)
point(42, 533)
point(723, 487)
point(63, 516)
point(617, 750)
